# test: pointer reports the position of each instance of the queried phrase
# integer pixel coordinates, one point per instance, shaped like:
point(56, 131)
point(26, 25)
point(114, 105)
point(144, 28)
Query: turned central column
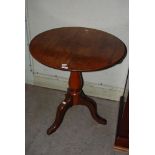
point(75, 86)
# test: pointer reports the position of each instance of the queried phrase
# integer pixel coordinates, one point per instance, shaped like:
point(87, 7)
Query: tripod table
point(77, 49)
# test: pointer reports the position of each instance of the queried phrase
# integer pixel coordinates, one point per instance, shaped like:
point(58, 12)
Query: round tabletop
point(77, 49)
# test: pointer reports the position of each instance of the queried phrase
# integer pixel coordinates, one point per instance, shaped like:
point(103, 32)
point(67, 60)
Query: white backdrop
point(107, 15)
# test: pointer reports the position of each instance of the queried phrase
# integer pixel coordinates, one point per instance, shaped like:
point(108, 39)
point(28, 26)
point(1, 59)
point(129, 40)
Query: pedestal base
point(75, 96)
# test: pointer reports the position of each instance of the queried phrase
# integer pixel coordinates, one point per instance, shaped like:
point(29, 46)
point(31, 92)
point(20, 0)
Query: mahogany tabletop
point(77, 49)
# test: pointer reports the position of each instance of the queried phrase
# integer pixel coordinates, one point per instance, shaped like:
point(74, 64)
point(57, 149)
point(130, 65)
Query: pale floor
point(78, 134)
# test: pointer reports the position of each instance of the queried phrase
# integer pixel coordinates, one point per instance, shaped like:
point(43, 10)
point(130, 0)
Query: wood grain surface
point(77, 49)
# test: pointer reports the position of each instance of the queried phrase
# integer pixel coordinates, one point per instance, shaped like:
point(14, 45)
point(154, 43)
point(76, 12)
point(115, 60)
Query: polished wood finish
point(75, 96)
point(122, 136)
point(77, 49)
point(80, 49)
